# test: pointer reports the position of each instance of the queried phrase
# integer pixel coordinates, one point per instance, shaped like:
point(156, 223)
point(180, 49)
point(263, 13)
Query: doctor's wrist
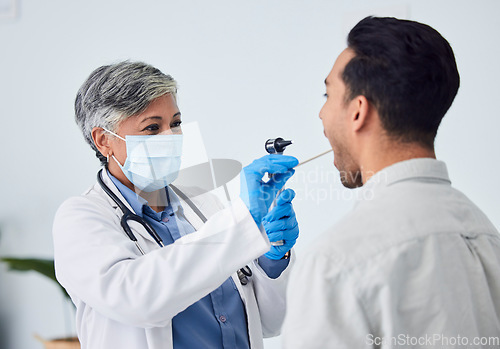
point(273, 267)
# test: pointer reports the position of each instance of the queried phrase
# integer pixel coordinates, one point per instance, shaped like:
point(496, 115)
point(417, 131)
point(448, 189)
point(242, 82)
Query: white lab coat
point(126, 300)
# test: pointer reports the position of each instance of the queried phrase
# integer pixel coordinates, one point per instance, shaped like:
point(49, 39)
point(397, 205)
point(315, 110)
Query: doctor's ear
point(102, 140)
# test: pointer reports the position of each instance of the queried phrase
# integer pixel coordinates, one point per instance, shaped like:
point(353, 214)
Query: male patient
point(416, 263)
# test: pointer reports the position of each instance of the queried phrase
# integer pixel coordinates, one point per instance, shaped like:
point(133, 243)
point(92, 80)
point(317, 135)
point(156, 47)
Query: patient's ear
point(359, 111)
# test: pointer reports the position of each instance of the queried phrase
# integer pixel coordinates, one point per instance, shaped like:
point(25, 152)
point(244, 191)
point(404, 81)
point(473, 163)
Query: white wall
point(248, 71)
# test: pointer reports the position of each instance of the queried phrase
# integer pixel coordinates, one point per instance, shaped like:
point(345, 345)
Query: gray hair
point(113, 93)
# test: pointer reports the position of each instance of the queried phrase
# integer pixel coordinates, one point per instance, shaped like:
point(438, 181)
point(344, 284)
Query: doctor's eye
point(152, 128)
point(325, 95)
point(176, 124)
point(176, 127)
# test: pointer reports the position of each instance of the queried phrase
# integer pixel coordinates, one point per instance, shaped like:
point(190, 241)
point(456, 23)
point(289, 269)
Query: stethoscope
point(243, 274)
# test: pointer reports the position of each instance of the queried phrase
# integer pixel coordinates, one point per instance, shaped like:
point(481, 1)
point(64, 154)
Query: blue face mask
point(152, 162)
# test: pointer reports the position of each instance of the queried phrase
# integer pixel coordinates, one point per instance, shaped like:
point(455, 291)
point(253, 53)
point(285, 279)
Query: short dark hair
point(407, 70)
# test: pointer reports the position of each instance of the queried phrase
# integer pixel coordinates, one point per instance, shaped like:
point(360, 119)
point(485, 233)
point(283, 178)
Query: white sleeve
point(323, 310)
point(271, 297)
point(98, 264)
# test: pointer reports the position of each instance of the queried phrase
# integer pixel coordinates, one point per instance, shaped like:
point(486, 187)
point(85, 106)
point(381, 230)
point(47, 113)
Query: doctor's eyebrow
point(151, 117)
point(178, 114)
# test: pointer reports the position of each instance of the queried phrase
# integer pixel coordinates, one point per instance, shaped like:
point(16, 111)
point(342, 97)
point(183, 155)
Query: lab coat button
point(222, 318)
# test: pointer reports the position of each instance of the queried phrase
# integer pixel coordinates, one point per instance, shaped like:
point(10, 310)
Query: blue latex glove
point(259, 195)
point(281, 224)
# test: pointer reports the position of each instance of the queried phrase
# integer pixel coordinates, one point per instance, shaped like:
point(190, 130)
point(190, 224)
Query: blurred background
point(247, 71)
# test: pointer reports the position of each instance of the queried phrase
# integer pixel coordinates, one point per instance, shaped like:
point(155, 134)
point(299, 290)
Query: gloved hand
point(281, 224)
point(259, 195)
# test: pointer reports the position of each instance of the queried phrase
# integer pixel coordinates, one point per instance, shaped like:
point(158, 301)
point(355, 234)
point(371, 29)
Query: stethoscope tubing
point(243, 273)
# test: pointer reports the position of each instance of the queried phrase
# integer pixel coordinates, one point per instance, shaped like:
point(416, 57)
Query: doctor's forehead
point(164, 106)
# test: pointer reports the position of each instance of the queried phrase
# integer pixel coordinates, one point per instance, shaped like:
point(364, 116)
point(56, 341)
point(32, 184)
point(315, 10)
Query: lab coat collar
point(107, 180)
point(409, 169)
point(135, 200)
point(137, 228)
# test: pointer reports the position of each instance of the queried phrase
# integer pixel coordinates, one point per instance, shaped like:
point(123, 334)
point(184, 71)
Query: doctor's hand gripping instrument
point(259, 195)
point(280, 224)
point(276, 146)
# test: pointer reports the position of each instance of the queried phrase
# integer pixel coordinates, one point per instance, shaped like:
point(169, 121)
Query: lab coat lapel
point(136, 227)
point(111, 185)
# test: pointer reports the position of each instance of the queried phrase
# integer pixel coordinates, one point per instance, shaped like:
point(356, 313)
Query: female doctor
point(149, 265)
